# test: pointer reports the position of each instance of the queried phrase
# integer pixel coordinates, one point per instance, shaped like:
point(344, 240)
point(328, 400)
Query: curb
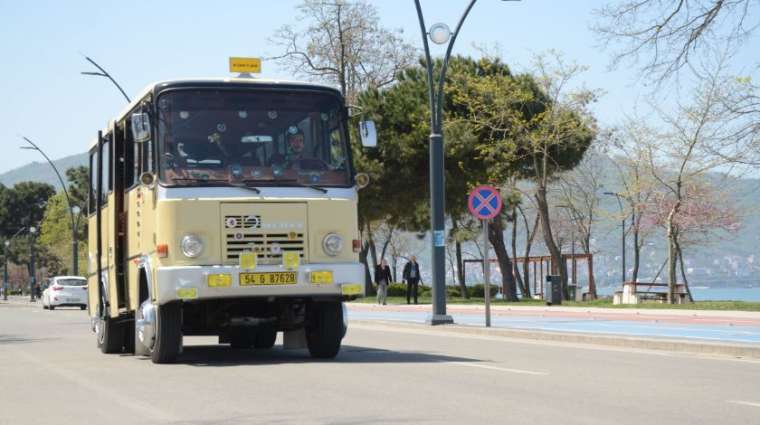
point(619, 341)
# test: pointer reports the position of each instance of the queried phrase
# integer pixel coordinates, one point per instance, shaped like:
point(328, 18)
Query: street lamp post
point(32, 272)
point(439, 34)
point(7, 245)
point(73, 209)
point(103, 73)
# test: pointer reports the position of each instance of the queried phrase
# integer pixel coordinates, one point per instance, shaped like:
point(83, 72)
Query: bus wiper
point(289, 181)
point(244, 186)
point(201, 180)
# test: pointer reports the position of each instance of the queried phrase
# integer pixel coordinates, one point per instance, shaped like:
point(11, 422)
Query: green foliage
point(23, 205)
point(78, 187)
point(55, 233)
point(399, 166)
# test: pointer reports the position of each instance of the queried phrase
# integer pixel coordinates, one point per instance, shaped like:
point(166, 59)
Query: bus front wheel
point(324, 330)
point(168, 337)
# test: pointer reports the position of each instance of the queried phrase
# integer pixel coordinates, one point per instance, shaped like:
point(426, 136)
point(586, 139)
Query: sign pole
point(486, 273)
point(485, 203)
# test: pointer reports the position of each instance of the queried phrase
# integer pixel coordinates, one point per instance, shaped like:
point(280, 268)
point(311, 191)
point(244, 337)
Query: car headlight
point(332, 244)
point(191, 246)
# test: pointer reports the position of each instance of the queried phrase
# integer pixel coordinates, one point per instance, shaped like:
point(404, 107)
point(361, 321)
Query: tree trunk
point(679, 251)
point(672, 279)
point(496, 237)
point(529, 236)
point(551, 245)
point(459, 264)
point(460, 271)
point(523, 288)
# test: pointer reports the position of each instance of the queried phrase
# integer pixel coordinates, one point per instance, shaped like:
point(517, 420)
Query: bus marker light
point(162, 250)
point(248, 260)
point(351, 289)
point(290, 260)
point(221, 280)
point(187, 293)
point(319, 277)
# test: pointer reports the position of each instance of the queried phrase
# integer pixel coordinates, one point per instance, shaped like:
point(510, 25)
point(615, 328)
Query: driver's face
point(296, 143)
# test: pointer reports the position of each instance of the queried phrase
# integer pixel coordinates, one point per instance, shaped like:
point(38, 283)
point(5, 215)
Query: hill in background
point(42, 172)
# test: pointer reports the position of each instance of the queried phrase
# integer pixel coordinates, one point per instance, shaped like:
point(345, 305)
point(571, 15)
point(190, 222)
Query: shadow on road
point(223, 355)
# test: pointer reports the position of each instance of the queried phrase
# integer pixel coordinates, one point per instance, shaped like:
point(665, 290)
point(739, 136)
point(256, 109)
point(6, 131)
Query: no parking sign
point(484, 202)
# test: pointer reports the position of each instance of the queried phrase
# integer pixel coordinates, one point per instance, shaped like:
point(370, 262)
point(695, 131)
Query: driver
point(295, 148)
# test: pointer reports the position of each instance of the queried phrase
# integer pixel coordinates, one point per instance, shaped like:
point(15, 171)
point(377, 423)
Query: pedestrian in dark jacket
point(382, 279)
point(412, 278)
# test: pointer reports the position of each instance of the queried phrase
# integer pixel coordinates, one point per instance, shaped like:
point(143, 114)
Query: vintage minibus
point(224, 207)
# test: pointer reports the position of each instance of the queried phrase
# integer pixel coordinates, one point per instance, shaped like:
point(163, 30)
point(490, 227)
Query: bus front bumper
point(190, 283)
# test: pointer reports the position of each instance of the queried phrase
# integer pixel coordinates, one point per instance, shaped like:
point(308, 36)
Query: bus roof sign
point(245, 65)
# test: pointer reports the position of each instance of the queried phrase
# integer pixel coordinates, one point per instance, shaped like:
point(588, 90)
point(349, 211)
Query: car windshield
point(71, 282)
point(253, 138)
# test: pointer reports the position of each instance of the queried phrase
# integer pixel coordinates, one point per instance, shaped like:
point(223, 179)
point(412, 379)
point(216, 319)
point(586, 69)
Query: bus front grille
point(269, 247)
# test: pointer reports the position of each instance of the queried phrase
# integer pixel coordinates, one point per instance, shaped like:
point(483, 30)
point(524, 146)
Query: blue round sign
point(484, 202)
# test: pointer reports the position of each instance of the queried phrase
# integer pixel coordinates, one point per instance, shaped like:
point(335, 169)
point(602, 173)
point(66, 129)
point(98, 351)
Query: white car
point(65, 291)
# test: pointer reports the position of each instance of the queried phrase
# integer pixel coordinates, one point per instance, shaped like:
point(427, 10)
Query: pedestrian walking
point(382, 279)
point(412, 279)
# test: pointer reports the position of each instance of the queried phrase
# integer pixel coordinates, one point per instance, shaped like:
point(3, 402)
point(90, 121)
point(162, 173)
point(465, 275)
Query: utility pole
point(73, 209)
point(32, 271)
point(7, 245)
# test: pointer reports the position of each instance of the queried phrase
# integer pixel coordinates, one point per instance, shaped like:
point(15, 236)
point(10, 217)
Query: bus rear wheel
point(324, 331)
point(168, 339)
point(110, 335)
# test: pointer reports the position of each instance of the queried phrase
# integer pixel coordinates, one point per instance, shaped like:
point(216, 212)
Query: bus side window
point(93, 181)
point(146, 156)
point(130, 173)
point(107, 181)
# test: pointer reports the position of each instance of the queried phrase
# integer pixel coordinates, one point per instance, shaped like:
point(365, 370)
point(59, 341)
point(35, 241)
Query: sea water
point(701, 293)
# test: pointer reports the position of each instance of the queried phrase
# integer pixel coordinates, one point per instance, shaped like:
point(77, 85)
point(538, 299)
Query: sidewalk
point(724, 327)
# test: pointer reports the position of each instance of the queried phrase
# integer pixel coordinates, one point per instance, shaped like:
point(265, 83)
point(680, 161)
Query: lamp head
point(32, 230)
point(76, 210)
point(439, 33)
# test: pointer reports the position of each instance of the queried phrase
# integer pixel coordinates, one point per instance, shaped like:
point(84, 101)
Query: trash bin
point(553, 290)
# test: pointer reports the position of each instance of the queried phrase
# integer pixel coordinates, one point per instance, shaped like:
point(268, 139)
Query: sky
point(44, 97)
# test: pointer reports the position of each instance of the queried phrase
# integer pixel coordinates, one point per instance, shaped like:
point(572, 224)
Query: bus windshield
point(252, 138)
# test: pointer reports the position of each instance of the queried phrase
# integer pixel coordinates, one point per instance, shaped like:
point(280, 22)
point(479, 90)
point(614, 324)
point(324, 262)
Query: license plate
point(276, 278)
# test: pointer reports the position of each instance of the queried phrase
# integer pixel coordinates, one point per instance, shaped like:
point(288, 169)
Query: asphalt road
point(52, 373)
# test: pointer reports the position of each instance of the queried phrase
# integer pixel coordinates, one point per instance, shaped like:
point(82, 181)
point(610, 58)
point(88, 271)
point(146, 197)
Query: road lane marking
point(500, 369)
point(743, 403)
point(387, 326)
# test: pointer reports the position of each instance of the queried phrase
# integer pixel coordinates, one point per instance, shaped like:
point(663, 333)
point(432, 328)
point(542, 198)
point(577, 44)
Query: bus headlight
point(191, 246)
point(332, 244)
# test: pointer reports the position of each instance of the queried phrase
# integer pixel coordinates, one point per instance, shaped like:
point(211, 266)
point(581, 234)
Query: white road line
point(743, 403)
point(500, 369)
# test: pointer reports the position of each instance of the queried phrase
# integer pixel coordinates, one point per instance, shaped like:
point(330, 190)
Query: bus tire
point(110, 335)
point(168, 342)
point(324, 331)
point(265, 337)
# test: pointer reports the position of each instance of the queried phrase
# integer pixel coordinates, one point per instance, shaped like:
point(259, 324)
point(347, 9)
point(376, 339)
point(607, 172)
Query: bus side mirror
point(368, 134)
point(140, 127)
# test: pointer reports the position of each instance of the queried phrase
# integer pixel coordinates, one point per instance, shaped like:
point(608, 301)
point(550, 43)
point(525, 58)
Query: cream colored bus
point(224, 207)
